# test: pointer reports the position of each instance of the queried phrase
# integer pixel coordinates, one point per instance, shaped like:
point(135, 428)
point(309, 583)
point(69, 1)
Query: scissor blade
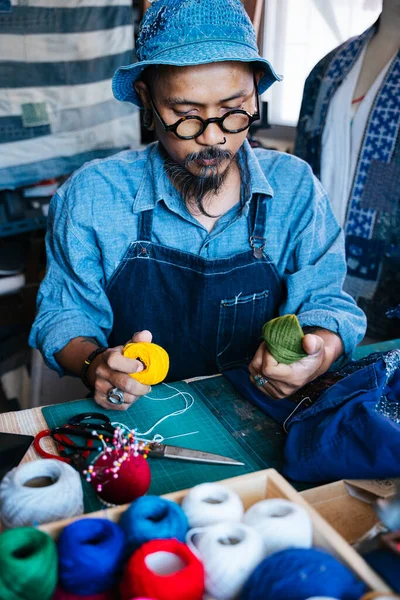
point(198, 456)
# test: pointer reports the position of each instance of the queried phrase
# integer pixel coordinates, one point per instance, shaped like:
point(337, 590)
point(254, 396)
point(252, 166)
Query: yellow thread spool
point(154, 358)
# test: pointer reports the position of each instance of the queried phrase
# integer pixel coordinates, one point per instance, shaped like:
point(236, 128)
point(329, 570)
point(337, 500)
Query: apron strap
point(257, 215)
point(145, 225)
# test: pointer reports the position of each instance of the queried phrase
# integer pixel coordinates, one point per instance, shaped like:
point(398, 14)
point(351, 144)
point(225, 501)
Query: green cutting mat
point(168, 475)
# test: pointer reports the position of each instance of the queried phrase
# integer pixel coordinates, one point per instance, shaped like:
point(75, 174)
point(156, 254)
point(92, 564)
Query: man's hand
point(323, 348)
point(111, 369)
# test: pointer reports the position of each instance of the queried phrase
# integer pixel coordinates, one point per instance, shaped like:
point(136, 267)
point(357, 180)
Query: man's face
point(206, 91)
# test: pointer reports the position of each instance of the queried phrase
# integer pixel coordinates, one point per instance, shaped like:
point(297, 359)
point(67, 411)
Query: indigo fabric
point(94, 227)
point(373, 218)
point(189, 32)
point(351, 431)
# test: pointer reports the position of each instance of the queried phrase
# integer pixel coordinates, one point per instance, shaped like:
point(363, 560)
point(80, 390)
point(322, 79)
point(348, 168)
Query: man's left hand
point(323, 347)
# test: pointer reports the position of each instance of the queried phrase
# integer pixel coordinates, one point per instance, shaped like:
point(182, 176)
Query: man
point(348, 132)
point(197, 240)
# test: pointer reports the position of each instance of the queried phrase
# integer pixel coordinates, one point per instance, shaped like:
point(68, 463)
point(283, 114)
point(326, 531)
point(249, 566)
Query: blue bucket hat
point(192, 32)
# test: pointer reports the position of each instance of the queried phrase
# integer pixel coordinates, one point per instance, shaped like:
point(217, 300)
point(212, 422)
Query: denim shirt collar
point(156, 186)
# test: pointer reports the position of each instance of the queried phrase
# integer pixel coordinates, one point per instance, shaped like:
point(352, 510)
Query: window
point(297, 34)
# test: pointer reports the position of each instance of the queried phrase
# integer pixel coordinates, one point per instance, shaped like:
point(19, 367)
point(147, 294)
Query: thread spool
point(229, 552)
point(132, 480)
point(163, 569)
point(90, 554)
point(209, 503)
point(281, 523)
point(61, 594)
point(28, 564)
point(301, 573)
point(322, 598)
point(379, 596)
point(154, 358)
point(152, 517)
point(38, 492)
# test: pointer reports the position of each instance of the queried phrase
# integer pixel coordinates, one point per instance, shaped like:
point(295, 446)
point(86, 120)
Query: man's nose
point(211, 136)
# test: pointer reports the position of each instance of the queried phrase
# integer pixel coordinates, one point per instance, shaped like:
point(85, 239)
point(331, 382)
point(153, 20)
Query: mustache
point(211, 153)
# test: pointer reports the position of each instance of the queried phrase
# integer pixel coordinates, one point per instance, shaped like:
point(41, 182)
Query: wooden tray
point(255, 487)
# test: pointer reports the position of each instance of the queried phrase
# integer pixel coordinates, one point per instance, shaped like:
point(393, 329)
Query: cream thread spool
point(281, 523)
point(379, 596)
point(229, 552)
point(39, 492)
point(210, 503)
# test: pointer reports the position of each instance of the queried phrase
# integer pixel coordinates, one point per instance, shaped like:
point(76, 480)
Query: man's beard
point(196, 190)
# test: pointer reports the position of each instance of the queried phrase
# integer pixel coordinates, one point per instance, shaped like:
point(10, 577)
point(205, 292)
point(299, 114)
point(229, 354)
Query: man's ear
point(143, 93)
point(258, 76)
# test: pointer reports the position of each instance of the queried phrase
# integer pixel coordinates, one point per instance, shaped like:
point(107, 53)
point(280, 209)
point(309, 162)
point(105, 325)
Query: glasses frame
point(205, 122)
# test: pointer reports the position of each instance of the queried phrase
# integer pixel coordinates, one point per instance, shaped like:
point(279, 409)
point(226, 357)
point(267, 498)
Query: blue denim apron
point(207, 314)
point(349, 430)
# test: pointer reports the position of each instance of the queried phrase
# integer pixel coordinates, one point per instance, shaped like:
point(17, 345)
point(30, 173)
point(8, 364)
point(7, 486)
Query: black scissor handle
point(85, 421)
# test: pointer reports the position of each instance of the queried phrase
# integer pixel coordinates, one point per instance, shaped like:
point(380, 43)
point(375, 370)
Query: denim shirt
point(94, 217)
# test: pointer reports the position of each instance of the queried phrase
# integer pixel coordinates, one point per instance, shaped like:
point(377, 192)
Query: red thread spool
point(163, 569)
point(133, 478)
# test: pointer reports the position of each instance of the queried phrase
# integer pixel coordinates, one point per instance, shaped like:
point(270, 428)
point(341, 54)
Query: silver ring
point(115, 396)
point(260, 380)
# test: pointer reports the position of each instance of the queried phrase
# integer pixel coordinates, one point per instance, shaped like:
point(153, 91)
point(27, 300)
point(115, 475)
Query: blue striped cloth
point(57, 110)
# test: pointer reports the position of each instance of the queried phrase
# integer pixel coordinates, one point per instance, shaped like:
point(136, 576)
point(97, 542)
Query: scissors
point(69, 450)
point(90, 425)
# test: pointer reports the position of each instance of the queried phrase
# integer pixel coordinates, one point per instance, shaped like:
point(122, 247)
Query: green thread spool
point(28, 564)
point(283, 337)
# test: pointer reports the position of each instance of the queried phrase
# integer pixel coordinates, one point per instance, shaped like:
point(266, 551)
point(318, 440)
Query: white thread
point(281, 523)
point(23, 505)
point(229, 552)
point(188, 405)
point(210, 503)
point(325, 598)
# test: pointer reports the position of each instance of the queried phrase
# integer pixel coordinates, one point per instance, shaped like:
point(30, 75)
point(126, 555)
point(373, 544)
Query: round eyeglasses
point(190, 127)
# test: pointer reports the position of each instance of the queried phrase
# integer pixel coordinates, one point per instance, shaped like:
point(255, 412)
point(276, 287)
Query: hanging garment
point(202, 296)
point(57, 110)
point(343, 425)
point(372, 223)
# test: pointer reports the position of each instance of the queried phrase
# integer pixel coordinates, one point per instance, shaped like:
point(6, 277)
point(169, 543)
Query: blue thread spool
point(298, 574)
point(90, 555)
point(152, 517)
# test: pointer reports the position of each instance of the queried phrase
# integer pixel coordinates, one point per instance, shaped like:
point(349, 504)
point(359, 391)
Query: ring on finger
point(260, 380)
point(115, 396)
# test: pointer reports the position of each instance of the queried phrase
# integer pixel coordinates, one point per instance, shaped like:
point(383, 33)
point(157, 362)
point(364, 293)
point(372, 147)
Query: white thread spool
point(210, 503)
point(281, 523)
point(229, 552)
point(40, 491)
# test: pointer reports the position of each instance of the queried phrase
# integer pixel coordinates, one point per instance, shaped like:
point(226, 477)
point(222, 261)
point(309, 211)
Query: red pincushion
point(133, 480)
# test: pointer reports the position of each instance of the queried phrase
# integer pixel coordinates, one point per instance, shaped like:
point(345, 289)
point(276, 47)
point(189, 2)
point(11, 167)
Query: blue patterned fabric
point(372, 226)
point(349, 430)
point(192, 32)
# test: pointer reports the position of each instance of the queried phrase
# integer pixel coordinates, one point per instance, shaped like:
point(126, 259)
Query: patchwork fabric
point(372, 227)
point(379, 145)
point(383, 182)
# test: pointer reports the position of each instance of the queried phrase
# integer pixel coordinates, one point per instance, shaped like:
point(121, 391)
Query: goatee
point(196, 190)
